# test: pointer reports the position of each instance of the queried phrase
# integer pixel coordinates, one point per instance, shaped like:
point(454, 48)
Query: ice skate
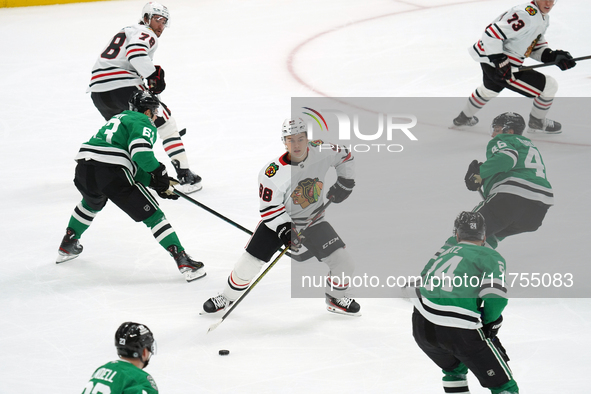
point(189, 182)
point(546, 126)
point(70, 248)
point(216, 304)
point(463, 120)
point(191, 269)
point(345, 305)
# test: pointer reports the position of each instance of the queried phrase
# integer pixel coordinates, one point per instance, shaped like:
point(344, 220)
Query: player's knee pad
point(551, 88)
point(486, 93)
point(247, 267)
point(340, 263)
point(168, 128)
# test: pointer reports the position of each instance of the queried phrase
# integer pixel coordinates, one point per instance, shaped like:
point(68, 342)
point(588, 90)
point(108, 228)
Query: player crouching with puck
point(291, 194)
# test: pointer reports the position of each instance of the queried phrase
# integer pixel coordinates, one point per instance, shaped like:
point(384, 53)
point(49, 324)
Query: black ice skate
point(543, 126)
point(191, 269)
point(189, 182)
point(217, 303)
point(346, 306)
point(463, 120)
point(70, 248)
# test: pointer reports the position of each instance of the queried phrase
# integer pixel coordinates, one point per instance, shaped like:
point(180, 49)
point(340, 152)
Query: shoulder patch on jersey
point(531, 10)
point(271, 170)
point(152, 382)
point(316, 143)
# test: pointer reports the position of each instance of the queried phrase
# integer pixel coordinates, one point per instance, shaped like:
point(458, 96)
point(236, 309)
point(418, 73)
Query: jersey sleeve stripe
point(501, 292)
point(135, 50)
point(138, 55)
point(512, 154)
point(280, 210)
point(137, 45)
point(494, 31)
point(109, 74)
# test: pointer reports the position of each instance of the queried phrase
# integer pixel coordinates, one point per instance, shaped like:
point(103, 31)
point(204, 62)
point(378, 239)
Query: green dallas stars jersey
point(120, 377)
point(125, 140)
point(457, 280)
point(515, 166)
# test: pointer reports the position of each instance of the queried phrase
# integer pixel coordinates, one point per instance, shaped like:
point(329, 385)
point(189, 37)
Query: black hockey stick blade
point(576, 59)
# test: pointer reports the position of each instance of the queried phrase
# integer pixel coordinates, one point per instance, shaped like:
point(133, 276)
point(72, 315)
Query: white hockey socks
point(244, 271)
point(172, 142)
point(543, 102)
point(340, 275)
point(477, 100)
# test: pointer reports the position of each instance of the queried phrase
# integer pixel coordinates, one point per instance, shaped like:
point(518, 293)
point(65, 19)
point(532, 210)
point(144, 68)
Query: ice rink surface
point(231, 68)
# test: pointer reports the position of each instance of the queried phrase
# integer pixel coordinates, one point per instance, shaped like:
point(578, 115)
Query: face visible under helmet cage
point(152, 8)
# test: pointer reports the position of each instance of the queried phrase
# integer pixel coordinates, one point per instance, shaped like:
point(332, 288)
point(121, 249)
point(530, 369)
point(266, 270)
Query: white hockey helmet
point(152, 8)
point(293, 127)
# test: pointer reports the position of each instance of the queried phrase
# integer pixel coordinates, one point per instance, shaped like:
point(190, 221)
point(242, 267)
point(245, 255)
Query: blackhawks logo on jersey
point(316, 143)
point(532, 46)
point(307, 192)
point(531, 10)
point(271, 170)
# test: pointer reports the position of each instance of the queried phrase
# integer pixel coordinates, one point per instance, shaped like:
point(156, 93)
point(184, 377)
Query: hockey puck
point(224, 352)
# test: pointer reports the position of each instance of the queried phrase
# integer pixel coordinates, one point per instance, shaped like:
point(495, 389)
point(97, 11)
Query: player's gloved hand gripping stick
point(257, 280)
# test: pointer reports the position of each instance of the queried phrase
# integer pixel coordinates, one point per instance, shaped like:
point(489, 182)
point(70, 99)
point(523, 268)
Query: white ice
point(232, 67)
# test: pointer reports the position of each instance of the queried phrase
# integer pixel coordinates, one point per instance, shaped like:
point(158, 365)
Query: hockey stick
point(219, 215)
point(576, 59)
point(235, 304)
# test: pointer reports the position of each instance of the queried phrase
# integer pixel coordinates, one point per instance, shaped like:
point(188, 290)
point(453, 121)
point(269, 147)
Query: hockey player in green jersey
point(458, 310)
point(516, 190)
point(135, 346)
point(117, 164)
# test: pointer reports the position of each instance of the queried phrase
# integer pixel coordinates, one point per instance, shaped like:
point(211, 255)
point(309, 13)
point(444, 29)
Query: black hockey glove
point(288, 234)
point(562, 59)
point(472, 178)
point(502, 67)
point(156, 82)
point(492, 329)
point(160, 182)
point(341, 190)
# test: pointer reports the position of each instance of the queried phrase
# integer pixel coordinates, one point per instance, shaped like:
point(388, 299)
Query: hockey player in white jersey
point(291, 193)
point(515, 35)
point(121, 69)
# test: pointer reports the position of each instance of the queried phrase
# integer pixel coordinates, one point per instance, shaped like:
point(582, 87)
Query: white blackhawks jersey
point(294, 192)
point(518, 33)
point(126, 61)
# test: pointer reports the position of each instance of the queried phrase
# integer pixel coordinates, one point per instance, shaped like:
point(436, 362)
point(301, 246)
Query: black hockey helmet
point(469, 226)
point(132, 338)
point(140, 101)
point(509, 120)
